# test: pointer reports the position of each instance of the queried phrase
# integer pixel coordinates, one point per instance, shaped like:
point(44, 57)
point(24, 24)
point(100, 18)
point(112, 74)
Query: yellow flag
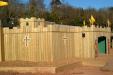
point(108, 22)
point(92, 20)
point(84, 22)
point(2, 3)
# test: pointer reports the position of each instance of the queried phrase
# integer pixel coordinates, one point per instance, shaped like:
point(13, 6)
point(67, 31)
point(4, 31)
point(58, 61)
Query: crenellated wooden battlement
point(38, 25)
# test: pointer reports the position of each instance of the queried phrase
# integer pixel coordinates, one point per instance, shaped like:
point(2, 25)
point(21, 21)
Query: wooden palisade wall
point(40, 41)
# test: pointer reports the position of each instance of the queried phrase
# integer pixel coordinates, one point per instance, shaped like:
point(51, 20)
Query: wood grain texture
point(50, 42)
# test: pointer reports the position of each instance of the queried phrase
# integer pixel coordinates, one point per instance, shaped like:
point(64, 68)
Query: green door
point(102, 45)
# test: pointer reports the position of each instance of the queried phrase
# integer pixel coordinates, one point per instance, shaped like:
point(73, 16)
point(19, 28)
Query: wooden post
point(0, 43)
point(96, 48)
point(2, 54)
point(108, 46)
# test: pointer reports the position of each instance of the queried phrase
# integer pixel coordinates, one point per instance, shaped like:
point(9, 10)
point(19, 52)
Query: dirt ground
point(78, 70)
point(81, 70)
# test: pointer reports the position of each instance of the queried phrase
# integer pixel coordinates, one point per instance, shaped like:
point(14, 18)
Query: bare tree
point(35, 7)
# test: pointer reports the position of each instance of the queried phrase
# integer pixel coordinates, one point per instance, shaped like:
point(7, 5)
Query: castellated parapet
point(36, 25)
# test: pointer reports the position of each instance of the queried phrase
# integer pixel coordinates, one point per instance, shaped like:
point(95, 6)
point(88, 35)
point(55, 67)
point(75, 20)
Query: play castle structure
point(45, 42)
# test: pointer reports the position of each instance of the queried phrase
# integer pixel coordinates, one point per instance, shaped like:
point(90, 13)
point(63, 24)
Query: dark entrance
point(102, 45)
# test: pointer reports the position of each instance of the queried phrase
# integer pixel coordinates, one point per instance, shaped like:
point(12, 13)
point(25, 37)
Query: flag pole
point(2, 4)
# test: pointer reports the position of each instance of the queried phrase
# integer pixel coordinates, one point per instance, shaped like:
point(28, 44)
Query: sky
point(84, 3)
